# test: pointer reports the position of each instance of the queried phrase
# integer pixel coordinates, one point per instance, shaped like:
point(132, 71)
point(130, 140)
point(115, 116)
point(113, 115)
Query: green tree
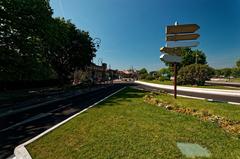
point(143, 73)
point(165, 73)
point(193, 57)
point(236, 72)
point(227, 72)
point(218, 72)
point(195, 74)
point(238, 63)
point(69, 49)
point(23, 25)
point(189, 57)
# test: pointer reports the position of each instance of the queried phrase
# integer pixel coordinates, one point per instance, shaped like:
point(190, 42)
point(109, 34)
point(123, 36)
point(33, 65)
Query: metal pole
point(175, 80)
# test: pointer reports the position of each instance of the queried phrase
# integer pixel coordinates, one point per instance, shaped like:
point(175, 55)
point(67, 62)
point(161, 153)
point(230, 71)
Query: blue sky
point(132, 31)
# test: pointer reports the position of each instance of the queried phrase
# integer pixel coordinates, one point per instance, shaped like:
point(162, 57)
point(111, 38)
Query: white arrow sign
point(182, 44)
point(171, 58)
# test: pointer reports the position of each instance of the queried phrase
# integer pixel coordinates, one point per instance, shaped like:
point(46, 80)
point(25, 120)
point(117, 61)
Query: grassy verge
point(235, 80)
point(225, 110)
point(125, 126)
point(207, 86)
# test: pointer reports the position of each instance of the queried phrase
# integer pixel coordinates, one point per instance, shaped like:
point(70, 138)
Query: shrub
point(149, 77)
point(195, 74)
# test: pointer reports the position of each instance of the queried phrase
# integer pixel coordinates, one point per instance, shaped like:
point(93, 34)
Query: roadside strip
point(21, 152)
point(220, 92)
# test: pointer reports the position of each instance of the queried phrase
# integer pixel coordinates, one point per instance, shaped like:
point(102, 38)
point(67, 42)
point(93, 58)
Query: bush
point(149, 77)
point(143, 76)
point(163, 78)
point(195, 74)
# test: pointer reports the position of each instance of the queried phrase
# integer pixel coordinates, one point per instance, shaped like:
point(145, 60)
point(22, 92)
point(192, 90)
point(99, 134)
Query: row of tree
point(36, 46)
point(193, 70)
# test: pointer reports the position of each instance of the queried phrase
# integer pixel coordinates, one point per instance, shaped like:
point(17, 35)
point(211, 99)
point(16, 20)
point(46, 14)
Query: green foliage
point(143, 73)
point(69, 49)
point(193, 57)
point(238, 63)
point(195, 74)
point(149, 77)
point(218, 72)
point(22, 29)
point(35, 46)
point(226, 72)
point(236, 72)
point(165, 73)
point(189, 57)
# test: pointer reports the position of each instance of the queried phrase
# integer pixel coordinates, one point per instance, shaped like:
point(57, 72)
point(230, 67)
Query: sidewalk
point(234, 93)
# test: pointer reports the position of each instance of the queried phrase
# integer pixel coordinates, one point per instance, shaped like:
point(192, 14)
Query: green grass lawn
point(207, 86)
point(235, 80)
point(124, 126)
point(225, 110)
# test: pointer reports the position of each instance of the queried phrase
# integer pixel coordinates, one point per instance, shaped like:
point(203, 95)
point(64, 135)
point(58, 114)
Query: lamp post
point(95, 41)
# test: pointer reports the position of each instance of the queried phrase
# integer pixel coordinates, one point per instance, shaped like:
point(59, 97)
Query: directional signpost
point(171, 51)
point(178, 29)
point(182, 37)
point(171, 58)
point(177, 37)
point(182, 44)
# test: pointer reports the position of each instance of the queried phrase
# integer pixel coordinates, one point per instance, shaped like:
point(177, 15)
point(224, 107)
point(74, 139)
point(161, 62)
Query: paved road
point(18, 128)
point(221, 83)
point(203, 94)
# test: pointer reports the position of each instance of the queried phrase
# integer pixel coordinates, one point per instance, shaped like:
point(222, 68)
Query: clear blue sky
point(132, 31)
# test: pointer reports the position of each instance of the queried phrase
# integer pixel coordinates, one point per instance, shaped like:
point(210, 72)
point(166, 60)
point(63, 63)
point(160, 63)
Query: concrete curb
point(21, 152)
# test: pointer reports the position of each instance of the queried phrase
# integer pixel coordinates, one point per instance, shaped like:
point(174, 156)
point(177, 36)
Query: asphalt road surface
point(18, 128)
point(217, 98)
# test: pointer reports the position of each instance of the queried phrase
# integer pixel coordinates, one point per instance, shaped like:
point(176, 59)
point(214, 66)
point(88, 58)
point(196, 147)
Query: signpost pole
point(175, 79)
point(177, 37)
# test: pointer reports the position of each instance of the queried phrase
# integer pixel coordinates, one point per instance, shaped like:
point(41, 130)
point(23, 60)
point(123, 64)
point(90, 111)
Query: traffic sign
point(171, 58)
point(178, 37)
point(178, 29)
point(182, 44)
point(174, 35)
point(171, 51)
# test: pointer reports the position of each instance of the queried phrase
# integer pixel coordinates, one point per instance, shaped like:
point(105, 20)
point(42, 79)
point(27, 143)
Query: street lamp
point(97, 41)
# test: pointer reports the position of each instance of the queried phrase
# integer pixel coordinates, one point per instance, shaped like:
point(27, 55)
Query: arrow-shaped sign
point(178, 29)
point(171, 58)
point(182, 44)
point(171, 51)
point(178, 37)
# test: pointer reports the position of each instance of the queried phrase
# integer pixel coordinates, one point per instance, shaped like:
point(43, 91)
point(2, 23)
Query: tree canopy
point(238, 63)
point(193, 57)
point(36, 46)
